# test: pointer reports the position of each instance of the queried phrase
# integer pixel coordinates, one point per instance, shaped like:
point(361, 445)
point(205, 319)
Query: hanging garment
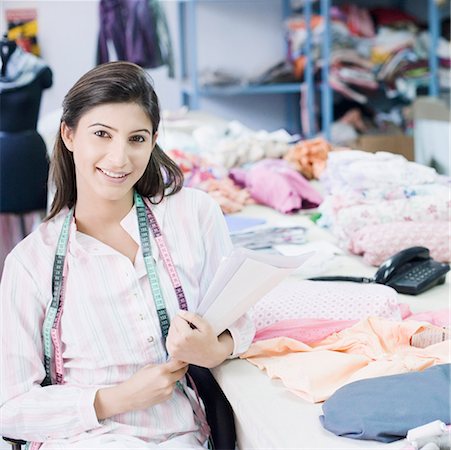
point(138, 31)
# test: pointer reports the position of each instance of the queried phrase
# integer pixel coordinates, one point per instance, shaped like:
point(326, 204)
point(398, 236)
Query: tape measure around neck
point(146, 220)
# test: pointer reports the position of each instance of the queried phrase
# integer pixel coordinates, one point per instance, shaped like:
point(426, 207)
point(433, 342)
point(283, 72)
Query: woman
point(88, 297)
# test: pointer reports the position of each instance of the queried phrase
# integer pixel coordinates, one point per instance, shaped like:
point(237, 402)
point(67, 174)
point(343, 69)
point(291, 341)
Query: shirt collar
point(81, 243)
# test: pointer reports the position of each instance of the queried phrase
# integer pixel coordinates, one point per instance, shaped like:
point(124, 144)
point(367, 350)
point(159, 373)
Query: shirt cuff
point(86, 410)
point(242, 332)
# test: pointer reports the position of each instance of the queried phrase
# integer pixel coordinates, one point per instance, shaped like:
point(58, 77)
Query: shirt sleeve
point(217, 246)
point(29, 411)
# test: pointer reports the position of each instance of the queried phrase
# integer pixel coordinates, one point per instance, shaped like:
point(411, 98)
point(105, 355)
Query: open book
point(241, 280)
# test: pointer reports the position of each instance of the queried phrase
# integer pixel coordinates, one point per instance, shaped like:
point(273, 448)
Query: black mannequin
point(23, 154)
point(7, 48)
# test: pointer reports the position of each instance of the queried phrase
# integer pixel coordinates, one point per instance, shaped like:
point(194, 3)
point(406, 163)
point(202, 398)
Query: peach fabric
point(372, 347)
point(309, 157)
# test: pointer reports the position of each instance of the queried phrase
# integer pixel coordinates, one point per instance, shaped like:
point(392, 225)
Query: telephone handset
point(411, 271)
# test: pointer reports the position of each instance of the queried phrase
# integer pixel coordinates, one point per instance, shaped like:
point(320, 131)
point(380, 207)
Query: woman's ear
point(66, 135)
point(154, 139)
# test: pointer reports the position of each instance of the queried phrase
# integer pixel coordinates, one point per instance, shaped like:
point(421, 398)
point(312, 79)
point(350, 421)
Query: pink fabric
point(313, 330)
point(440, 318)
point(378, 242)
point(304, 330)
point(293, 299)
point(274, 183)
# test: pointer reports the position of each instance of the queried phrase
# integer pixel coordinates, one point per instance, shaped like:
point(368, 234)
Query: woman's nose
point(118, 154)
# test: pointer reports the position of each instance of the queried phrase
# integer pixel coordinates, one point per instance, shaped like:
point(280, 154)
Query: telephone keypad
point(419, 273)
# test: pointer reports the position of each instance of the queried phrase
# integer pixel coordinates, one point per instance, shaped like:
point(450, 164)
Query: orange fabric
point(309, 157)
point(373, 347)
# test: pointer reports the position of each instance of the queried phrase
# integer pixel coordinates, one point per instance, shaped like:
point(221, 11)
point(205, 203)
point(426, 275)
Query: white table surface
point(267, 415)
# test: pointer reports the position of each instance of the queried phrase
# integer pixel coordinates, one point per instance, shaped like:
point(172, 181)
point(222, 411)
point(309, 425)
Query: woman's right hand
point(150, 385)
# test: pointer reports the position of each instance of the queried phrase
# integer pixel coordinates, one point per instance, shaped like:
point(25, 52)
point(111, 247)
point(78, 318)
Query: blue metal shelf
point(192, 91)
point(245, 89)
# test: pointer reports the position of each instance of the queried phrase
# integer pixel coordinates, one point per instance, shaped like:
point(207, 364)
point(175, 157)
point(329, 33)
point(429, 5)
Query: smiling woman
point(124, 249)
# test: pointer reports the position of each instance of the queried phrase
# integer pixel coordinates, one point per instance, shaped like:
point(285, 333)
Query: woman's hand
point(192, 339)
point(150, 385)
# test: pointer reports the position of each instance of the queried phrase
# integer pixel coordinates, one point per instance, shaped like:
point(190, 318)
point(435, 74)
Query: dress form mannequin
point(23, 154)
point(7, 48)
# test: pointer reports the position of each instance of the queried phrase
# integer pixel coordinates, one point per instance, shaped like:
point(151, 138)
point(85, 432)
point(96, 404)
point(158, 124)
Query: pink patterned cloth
point(378, 242)
point(415, 209)
point(313, 330)
point(293, 299)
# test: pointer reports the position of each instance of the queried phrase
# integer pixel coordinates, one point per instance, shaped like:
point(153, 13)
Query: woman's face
point(111, 144)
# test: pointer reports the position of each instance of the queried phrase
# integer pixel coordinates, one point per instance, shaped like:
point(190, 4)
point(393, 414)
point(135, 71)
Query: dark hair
point(114, 82)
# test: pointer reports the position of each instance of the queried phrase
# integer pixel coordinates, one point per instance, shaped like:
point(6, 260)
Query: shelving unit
point(192, 92)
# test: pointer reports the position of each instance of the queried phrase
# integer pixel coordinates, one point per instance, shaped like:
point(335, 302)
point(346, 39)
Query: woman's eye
point(138, 138)
point(101, 133)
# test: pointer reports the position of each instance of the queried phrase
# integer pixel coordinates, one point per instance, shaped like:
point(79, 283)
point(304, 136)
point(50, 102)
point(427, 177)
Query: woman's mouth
point(115, 177)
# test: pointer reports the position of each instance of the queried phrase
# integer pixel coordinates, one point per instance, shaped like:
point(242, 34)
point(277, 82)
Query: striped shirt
point(109, 327)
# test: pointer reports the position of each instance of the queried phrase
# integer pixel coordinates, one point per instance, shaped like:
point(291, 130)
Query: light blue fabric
point(385, 408)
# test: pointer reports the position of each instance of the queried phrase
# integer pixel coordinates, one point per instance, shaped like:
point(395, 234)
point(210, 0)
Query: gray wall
point(245, 37)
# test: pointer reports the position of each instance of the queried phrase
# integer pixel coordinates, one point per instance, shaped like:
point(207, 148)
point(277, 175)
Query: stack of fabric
point(358, 350)
point(379, 204)
point(371, 49)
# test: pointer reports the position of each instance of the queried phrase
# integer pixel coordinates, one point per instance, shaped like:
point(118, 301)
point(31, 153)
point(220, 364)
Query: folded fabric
point(378, 242)
point(385, 408)
point(274, 183)
point(332, 300)
point(415, 209)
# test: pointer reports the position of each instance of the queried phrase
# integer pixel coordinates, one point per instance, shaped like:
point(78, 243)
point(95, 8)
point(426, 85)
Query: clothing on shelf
point(138, 32)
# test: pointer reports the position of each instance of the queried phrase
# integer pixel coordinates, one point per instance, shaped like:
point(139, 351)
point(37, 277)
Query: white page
point(232, 263)
point(248, 284)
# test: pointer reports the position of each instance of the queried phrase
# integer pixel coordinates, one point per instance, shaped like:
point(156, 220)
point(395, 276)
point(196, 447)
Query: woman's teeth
point(114, 174)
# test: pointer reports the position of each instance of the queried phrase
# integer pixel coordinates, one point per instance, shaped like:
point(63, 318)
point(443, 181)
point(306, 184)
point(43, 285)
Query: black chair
point(217, 408)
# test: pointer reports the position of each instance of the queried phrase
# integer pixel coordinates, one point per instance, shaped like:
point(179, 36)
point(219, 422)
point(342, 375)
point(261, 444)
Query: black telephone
point(411, 271)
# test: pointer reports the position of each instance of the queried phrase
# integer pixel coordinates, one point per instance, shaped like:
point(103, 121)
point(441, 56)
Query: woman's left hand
point(192, 339)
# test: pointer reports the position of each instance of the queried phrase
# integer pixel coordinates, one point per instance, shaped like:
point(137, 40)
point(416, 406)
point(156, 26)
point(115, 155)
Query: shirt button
point(141, 317)
point(150, 339)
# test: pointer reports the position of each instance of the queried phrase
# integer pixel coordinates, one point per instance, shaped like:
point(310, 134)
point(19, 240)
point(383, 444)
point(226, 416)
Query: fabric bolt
point(274, 183)
point(109, 326)
point(363, 170)
point(386, 408)
point(293, 299)
point(379, 242)
point(372, 348)
point(425, 208)
point(347, 196)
